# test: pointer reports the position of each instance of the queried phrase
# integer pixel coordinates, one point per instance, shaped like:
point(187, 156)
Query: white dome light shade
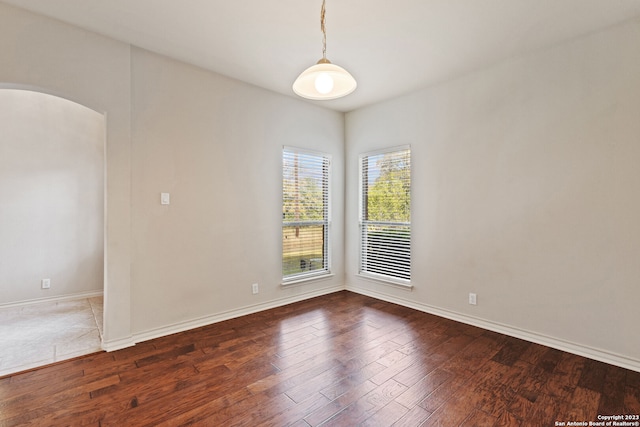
point(324, 81)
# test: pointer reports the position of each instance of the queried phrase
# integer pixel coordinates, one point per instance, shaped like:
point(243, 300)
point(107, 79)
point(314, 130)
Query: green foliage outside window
point(389, 195)
point(386, 216)
point(304, 202)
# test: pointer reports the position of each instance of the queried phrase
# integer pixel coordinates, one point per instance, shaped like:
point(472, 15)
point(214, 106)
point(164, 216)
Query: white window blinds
point(305, 213)
point(385, 215)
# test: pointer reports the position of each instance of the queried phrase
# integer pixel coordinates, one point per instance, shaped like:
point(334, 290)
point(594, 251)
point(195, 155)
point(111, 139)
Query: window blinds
point(305, 213)
point(385, 217)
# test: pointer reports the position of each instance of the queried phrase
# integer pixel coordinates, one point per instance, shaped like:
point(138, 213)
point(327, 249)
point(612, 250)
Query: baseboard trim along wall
point(59, 298)
point(569, 347)
point(219, 317)
point(119, 344)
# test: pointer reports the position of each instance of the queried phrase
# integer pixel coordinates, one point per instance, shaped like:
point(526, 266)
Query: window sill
point(305, 279)
point(397, 283)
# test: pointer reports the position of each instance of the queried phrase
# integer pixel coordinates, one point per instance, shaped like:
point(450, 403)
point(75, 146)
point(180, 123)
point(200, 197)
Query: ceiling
point(390, 47)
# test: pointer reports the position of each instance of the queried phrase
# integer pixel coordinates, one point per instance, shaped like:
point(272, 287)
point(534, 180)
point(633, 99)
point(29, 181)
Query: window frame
point(325, 271)
point(362, 268)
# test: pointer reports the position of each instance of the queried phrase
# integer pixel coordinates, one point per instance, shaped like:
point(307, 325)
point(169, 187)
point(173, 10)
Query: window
point(385, 215)
point(305, 214)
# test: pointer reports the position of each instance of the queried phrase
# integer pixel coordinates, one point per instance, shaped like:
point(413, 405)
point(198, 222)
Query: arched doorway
point(52, 168)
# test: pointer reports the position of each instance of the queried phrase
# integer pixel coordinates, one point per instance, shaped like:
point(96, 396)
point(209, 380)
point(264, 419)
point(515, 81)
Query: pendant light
point(324, 80)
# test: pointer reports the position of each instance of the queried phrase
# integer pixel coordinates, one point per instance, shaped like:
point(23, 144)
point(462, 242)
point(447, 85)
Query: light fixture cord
point(324, 31)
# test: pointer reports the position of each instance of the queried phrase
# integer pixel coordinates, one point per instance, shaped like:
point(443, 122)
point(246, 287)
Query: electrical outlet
point(46, 283)
point(254, 288)
point(473, 299)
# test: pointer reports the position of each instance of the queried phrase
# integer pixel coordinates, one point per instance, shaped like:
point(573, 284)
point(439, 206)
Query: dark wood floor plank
point(368, 405)
point(171, 354)
point(479, 418)
point(633, 379)
point(340, 359)
point(472, 357)
point(632, 400)
point(374, 354)
point(423, 388)
point(149, 389)
point(422, 343)
point(496, 401)
point(354, 379)
point(44, 405)
point(453, 345)
point(511, 351)
point(507, 419)
point(612, 399)
point(534, 354)
point(416, 416)
point(520, 405)
point(549, 360)
point(207, 386)
point(564, 378)
point(386, 416)
point(392, 359)
point(247, 412)
point(297, 412)
point(495, 374)
point(324, 413)
point(200, 410)
point(532, 380)
point(320, 382)
point(283, 380)
point(593, 375)
point(543, 411)
point(415, 372)
point(324, 345)
point(400, 363)
point(453, 413)
point(445, 391)
point(58, 376)
point(570, 368)
point(583, 405)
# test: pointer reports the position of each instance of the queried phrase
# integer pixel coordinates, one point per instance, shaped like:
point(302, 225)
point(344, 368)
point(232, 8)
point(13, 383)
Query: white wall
point(525, 191)
point(47, 55)
point(215, 145)
point(52, 192)
point(212, 142)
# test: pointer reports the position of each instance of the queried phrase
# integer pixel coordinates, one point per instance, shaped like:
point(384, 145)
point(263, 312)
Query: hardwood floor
point(338, 360)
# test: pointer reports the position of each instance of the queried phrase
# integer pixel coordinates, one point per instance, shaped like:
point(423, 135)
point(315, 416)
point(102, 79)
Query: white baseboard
point(226, 315)
point(69, 297)
point(118, 344)
point(569, 347)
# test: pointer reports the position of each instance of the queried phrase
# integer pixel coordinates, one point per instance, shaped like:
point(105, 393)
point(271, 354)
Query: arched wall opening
point(52, 187)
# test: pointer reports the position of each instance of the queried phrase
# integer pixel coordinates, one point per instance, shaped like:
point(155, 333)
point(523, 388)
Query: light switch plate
point(473, 299)
point(165, 198)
